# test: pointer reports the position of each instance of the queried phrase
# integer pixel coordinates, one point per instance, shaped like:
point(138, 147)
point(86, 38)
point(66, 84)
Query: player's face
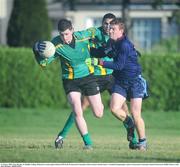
point(67, 36)
point(106, 25)
point(115, 32)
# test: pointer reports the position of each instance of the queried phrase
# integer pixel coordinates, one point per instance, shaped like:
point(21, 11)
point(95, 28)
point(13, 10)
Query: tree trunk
point(125, 15)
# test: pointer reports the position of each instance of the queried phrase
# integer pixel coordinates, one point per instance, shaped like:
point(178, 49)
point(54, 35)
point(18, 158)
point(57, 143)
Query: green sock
point(87, 139)
point(128, 123)
point(134, 140)
point(70, 121)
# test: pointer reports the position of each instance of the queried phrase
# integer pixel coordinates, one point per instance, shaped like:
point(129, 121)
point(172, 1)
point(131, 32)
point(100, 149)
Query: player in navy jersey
point(129, 84)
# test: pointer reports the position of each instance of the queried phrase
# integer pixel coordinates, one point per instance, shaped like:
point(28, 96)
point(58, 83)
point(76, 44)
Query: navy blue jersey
point(125, 60)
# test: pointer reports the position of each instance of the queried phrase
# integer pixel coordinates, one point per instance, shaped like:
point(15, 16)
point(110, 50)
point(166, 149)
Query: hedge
point(162, 72)
point(24, 84)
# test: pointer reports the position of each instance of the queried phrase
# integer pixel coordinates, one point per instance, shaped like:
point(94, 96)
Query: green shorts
point(86, 85)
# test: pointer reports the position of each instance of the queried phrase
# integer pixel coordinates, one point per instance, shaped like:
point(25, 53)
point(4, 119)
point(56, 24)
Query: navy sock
point(142, 140)
point(128, 122)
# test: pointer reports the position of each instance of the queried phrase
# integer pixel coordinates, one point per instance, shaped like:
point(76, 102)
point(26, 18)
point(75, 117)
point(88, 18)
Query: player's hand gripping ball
point(45, 48)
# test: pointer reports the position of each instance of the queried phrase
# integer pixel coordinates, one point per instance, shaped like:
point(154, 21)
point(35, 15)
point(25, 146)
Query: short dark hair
point(108, 16)
point(118, 21)
point(64, 24)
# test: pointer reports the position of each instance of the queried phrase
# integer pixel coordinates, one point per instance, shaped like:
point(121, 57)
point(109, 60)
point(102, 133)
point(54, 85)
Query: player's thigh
point(117, 101)
point(85, 102)
point(125, 107)
point(74, 99)
point(118, 97)
point(96, 104)
point(90, 89)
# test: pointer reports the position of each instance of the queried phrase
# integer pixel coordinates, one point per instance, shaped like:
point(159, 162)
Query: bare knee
point(118, 113)
point(99, 115)
point(99, 111)
point(125, 108)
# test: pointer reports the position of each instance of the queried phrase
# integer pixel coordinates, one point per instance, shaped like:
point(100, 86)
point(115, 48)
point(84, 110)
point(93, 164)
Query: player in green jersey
point(105, 81)
point(72, 50)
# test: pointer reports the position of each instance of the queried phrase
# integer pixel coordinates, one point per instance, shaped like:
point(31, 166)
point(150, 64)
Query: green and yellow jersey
point(73, 58)
point(100, 40)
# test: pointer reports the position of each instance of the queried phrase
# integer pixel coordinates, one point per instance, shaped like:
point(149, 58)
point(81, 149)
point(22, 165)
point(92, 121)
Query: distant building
point(148, 26)
point(5, 11)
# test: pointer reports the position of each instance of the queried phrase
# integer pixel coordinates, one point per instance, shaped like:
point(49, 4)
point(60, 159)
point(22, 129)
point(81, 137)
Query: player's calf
point(130, 127)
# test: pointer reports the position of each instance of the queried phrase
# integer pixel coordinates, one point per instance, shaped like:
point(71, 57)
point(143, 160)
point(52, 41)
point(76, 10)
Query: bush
point(28, 23)
point(24, 84)
point(169, 45)
point(162, 73)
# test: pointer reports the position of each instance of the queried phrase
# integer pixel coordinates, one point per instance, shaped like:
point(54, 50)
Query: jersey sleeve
point(89, 33)
point(42, 61)
point(121, 58)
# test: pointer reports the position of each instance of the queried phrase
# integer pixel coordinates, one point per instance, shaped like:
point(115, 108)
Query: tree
point(28, 23)
point(125, 15)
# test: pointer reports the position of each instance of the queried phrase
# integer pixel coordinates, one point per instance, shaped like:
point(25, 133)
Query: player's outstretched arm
point(44, 52)
point(37, 48)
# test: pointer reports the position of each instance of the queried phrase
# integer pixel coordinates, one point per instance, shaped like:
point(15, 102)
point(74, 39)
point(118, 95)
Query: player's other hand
point(93, 61)
point(109, 52)
point(37, 49)
point(39, 46)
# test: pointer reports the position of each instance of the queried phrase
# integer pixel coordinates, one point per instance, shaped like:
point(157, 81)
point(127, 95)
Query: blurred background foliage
point(26, 84)
point(28, 23)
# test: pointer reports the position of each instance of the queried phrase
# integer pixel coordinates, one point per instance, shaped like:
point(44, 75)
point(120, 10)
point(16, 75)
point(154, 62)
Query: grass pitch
point(27, 135)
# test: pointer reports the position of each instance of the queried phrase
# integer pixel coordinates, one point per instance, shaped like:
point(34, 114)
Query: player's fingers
point(42, 45)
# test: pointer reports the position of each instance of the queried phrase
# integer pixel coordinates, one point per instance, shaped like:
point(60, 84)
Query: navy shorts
point(133, 88)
